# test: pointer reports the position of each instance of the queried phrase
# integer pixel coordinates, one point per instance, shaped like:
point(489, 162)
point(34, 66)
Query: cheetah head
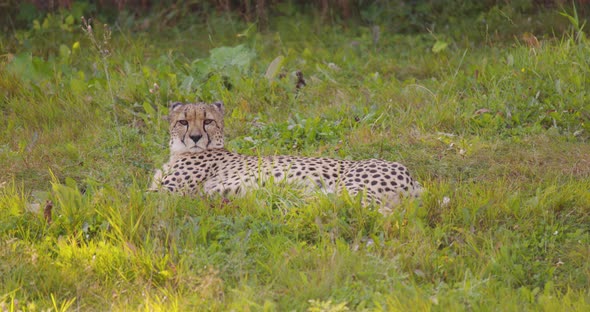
point(195, 128)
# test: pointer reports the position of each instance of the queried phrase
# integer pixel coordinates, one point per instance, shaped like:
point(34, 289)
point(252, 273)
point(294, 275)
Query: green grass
point(496, 130)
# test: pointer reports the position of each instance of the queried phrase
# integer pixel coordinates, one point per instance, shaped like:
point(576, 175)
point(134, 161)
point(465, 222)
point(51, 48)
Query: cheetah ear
point(174, 106)
point(220, 106)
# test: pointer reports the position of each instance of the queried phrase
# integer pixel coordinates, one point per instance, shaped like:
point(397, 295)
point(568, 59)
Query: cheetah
point(199, 164)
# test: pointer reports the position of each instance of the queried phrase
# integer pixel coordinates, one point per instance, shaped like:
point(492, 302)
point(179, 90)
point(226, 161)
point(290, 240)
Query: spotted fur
point(200, 165)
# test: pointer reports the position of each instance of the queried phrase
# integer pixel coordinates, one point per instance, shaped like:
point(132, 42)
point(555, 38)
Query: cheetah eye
point(208, 121)
point(183, 122)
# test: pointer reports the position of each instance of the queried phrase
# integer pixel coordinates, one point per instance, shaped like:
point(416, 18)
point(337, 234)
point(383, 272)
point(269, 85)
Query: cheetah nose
point(195, 138)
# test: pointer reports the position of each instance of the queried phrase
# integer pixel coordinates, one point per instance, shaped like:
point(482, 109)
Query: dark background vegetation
point(402, 16)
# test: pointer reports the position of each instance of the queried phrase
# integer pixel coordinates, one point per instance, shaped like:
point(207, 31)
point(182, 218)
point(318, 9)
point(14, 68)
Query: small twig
point(224, 202)
point(300, 81)
point(103, 52)
point(47, 211)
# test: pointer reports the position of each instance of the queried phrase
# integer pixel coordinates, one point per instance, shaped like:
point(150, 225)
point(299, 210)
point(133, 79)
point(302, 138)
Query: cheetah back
point(226, 173)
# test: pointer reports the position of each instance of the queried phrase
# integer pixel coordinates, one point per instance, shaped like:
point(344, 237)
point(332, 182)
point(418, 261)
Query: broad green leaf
point(149, 109)
point(239, 56)
point(274, 67)
point(187, 83)
point(439, 46)
point(64, 52)
point(69, 20)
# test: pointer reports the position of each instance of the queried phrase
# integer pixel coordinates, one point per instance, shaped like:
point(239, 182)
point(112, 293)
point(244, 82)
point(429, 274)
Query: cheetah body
point(200, 165)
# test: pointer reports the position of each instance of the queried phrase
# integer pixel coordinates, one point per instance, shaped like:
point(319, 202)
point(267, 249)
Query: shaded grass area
point(496, 130)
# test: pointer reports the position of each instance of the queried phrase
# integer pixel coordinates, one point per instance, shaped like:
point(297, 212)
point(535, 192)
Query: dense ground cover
point(495, 126)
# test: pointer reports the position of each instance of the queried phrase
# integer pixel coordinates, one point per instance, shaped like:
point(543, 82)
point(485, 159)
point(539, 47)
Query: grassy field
point(496, 126)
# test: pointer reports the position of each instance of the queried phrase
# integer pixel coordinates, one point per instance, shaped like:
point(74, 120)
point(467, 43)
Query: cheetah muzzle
point(199, 164)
